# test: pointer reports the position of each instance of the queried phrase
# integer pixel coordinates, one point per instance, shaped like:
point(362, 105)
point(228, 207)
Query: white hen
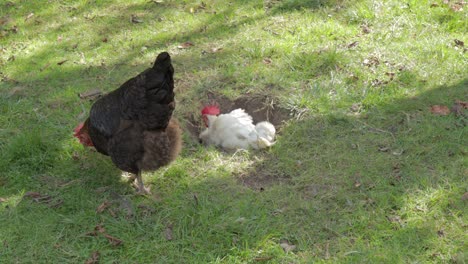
point(235, 130)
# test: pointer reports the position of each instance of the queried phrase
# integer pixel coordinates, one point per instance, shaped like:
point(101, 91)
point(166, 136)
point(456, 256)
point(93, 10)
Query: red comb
point(210, 110)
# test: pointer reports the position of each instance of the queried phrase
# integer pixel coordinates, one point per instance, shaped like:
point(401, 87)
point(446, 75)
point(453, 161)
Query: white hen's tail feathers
point(264, 131)
point(266, 134)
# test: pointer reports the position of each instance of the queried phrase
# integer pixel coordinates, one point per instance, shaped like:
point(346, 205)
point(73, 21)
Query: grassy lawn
point(363, 170)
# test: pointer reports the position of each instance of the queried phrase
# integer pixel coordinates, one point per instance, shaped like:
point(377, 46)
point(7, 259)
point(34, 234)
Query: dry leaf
point(390, 74)
point(14, 29)
point(94, 259)
point(93, 94)
point(459, 43)
point(394, 219)
point(168, 233)
point(194, 10)
point(383, 148)
point(214, 50)
point(44, 199)
point(357, 184)
point(267, 61)
point(440, 110)
point(185, 45)
point(135, 19)
point(365, 29)
point(441, 233)
point(372, 61)
point(287, 247)
point(61, 62)
point(459, 107)
point(112, 213)
point(99, 229)
point(353, 77)
point(462, 104)
point(56, 204)
point(378, 82)
point(29, 16)
point(195, 198)
point(457, 7)
point(103, 207)
point(2, 200)
point(37, 197)
point(434, 5)
point(397, 171)
point(113, 240)
point(68, 183)
point(354, 44)
point(92, 233)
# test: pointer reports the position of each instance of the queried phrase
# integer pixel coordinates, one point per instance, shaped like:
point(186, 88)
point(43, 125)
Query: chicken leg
point(141, 189)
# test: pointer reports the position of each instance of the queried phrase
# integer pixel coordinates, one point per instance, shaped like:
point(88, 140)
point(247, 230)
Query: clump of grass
point(29, 151)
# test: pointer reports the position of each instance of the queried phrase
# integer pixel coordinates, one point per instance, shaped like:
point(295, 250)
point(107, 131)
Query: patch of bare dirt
point(262, 177)
point(260, 107)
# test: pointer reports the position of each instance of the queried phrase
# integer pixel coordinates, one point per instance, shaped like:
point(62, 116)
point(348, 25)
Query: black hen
point(134, 125)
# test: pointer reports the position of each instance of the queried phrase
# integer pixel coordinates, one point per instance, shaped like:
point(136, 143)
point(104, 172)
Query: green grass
point(382, 183)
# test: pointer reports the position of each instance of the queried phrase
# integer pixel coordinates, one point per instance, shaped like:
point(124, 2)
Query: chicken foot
point(138, 183)
point(141, 189)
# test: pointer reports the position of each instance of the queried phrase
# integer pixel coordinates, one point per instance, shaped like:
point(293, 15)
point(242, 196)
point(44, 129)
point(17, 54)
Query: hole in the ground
point(260, 107)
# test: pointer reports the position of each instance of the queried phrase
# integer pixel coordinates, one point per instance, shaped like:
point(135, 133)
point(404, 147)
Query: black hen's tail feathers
point(159, 93)
point(159, 80)
point(163, 61)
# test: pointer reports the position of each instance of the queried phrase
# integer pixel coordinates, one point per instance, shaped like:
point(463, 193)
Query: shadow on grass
point(283, 6)
point(104, 27)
